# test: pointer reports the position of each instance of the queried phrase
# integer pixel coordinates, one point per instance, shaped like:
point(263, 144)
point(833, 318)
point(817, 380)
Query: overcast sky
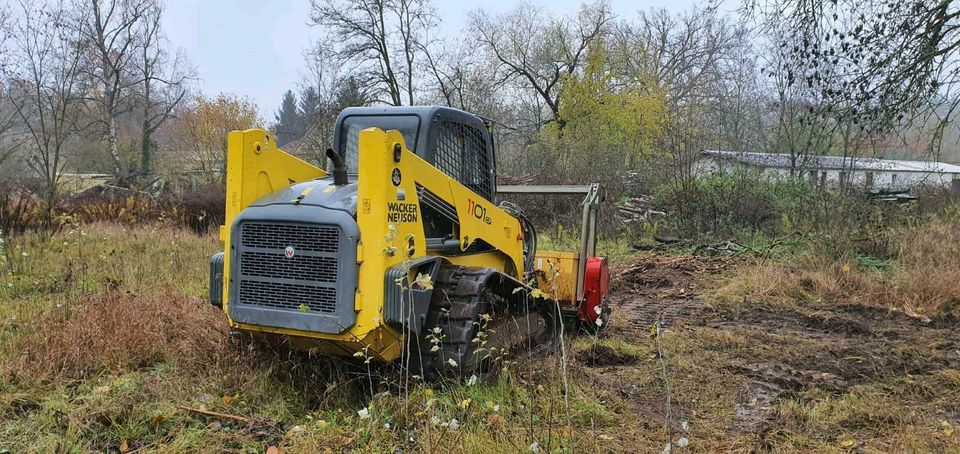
point(255, 48)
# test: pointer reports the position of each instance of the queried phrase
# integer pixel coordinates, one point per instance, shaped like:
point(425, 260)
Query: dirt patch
point(784, 377)
point(774, 350)
point(661, 289)
point(599, 355)
point(665, 276)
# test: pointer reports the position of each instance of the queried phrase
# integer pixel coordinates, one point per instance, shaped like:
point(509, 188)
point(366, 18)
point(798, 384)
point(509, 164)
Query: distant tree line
point(645, 94)
point(95, 86)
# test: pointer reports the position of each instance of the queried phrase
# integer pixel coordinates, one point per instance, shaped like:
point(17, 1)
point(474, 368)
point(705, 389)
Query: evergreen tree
point(289, 124)
point(309, 106)
point(350, 93)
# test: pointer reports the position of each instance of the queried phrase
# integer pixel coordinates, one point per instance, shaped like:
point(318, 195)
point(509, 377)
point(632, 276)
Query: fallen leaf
point(124, 447)
point(423, 280)
point(948, 429)
point(273, 450)
point(847, 443)
point(537, 293)
point(227, 400)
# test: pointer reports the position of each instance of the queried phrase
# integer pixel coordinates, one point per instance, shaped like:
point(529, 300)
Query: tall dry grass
point(119, 332)
point(921, 277)
point(927, 272)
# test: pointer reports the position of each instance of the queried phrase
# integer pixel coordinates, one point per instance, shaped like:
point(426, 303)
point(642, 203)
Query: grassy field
point(107, 344)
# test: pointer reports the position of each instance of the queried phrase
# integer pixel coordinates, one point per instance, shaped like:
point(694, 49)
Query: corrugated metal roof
point(832, 162)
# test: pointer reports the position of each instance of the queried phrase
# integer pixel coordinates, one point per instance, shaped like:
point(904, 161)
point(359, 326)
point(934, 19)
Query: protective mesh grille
point(288, 296)
point(299, 267)
point(269, 278)
point(462, 153)
point(306, 238)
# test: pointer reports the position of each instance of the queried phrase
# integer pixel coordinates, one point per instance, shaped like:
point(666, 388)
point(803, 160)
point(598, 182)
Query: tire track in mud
point(831, 347)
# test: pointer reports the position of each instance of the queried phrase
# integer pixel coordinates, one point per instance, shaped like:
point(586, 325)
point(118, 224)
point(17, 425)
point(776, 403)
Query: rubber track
point(460, 297)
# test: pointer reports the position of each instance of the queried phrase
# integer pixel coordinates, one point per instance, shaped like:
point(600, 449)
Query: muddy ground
point(752, 355)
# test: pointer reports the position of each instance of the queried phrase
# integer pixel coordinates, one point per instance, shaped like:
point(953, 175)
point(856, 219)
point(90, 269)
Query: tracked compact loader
point(399, 249)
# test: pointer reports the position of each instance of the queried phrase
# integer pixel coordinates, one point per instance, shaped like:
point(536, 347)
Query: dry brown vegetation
point(105, 339)
point(919, 275)
point(119, 332)
point(22, 211)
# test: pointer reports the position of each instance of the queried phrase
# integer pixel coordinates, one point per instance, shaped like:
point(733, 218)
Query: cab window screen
point(461, 152)
point(408, 125)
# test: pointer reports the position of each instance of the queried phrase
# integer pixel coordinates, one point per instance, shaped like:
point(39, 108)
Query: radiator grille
point(300, 267)
point(307, 280)
point(288, 296)
point(305, 238)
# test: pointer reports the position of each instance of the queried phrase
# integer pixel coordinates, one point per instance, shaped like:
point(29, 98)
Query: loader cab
point(459, 144)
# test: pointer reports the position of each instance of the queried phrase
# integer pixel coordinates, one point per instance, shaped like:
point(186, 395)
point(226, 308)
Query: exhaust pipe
point(339, 168)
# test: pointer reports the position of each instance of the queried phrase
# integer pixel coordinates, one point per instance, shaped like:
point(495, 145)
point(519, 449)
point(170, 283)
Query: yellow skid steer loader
point(399, 249)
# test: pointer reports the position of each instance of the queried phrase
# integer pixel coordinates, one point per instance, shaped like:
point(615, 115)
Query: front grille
point(288, 296)
point(305, 281)
point(306, 238)
point(300, 267)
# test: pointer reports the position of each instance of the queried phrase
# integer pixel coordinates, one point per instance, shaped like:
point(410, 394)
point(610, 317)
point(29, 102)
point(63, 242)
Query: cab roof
point(427, 115)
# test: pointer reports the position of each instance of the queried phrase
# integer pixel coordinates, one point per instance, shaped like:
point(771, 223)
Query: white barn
point(871, 174)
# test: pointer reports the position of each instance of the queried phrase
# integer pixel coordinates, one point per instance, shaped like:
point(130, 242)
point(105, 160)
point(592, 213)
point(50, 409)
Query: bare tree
point(684, 51)
point(8, 141)
point(46, 87)
point(700, 60)
point(875, 63)
point(464, 79)
point(324, 93)
point(163, 79)
point(111, 29)
point(793, 124)
point(381, 38)
point(539, 51)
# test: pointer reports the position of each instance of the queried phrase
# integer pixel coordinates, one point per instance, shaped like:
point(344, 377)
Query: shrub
point(745, 203)
point(21, 210)
point(725, 204)
point(200, 210)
